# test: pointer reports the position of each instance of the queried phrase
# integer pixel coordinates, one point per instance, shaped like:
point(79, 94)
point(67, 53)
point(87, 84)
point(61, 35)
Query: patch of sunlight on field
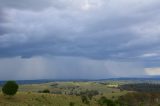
point(113, 85)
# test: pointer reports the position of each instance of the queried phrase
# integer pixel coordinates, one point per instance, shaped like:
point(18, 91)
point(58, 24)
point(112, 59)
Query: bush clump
point(71, 104)
point(10, 88)
point(46, 91)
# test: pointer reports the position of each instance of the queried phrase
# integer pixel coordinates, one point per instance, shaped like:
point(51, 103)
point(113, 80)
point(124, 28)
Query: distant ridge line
point(40, 81)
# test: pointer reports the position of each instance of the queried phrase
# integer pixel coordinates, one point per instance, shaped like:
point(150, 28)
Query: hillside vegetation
point(37, 99)
point(84, 94)
point(60, 94)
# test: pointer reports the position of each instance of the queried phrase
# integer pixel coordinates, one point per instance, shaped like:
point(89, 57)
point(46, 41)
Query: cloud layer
point(66, 68)
point(114, 30)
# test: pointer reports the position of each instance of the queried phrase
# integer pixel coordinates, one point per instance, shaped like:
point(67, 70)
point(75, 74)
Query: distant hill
point(83, 80)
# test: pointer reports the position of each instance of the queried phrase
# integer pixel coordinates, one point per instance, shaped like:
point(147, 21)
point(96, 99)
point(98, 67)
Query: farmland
point(70, 93)
point(61, 94)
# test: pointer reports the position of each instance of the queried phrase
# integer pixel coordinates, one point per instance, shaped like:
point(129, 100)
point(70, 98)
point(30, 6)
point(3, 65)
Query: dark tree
point(103, 101)
point(71, 104)
point(84, 99)
point(46, 91)
point(10, 88)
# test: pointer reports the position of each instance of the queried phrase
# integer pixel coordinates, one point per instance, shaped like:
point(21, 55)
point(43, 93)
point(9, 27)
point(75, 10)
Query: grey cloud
point(116, 30)
point(3, 20)
point(3, 30)
point(1, 16)
point(49, 67)
point(78, 38)
point(26, 4)
point(39, 5)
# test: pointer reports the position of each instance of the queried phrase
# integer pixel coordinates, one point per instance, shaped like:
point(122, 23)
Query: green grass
point(28, 94)
point(36, 99)
point(39, 99)
point(67, 87)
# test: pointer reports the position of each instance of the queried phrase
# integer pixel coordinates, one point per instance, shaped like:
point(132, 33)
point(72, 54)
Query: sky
point(79, 39)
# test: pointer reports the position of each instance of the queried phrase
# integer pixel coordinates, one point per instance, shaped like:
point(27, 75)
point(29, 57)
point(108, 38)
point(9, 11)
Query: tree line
point(141, 87)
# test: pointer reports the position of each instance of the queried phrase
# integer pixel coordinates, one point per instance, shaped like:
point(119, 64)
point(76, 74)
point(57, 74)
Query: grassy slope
point(63, 86)
point(36, 99)
point(26, 97)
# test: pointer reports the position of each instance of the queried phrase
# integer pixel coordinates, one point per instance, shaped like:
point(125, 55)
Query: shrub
point(46, 91)
point(103, 101)
point(89, 93)
point(10, 88)
point(71, 104)
point(84, 99)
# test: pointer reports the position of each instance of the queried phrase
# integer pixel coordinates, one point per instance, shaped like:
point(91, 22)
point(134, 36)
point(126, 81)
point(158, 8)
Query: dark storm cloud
point(50, 67)
point(25, 4)
point(116, 30)
point(1, 16)
point(37, 5)
point(78, 38)
point(3, 19)
point(3, 30)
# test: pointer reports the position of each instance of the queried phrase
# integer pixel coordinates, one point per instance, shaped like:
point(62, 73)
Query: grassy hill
point(61, 94)
point(37, 99)
point(64, 93)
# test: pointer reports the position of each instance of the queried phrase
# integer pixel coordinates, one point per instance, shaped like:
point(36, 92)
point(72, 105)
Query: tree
point(84, 99)
point(71, 104)
point(46, 91)
point(103, 101)
point(10, 88)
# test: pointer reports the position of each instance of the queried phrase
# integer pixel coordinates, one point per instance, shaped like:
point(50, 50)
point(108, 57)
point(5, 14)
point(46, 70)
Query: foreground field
point(112, 93)
point(69, 88)
point(61, 94)
point(36, 99)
